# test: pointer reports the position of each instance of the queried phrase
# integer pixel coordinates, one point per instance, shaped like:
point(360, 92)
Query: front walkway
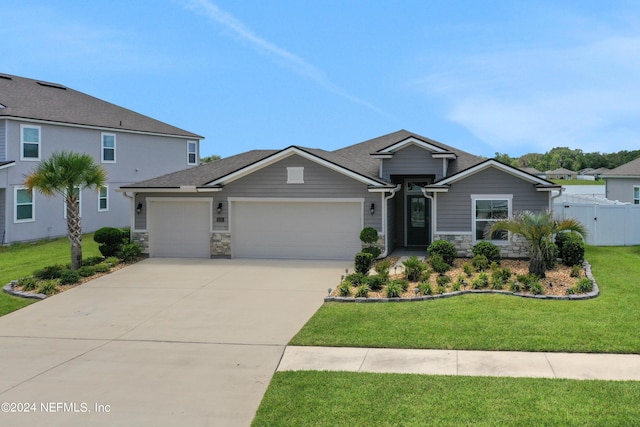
point(462, 362)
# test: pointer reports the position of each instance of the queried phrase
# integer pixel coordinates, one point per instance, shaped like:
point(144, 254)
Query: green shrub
point(425, 288)
point(344, 290)
point(103, 267)
point(480, 262)
point(499, 277)
point(576, 271)
point(482, 281)
point(363, 262)
point(49, 272)
point(456, 286)
point(496, 283)
point(572, 250)
point(468, 269)
point(129, 252)
point(425, 275)
point(550, 254)
point(69, 277)
point(438, 264)
point(373, 250)
point(561, 238)
point(515, 286)
point(488, 249)
point(49, 287)
point(570, 291)
point(441, 289)
point(126, 235)
point(92, 260)
point(110, 240)
point(28, 283)
point(460, 282)
point(443, 280)
point(584, 285)
point(112, 261)
point(393, 289)
point(413, 268)
point(382, 267)
point(536, 288)
point(362, 291)
point(526, 280)
point(376, 282)
point(446, 250)
point(403, 284)
point(356, 279)
point(86, 271)
point(494, 266)
point(369, 236)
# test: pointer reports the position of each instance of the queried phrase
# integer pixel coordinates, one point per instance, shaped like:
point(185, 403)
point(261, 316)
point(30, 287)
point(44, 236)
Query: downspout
point(133, 214)
point(555, 197)
point(431, 215)
point(385, 227)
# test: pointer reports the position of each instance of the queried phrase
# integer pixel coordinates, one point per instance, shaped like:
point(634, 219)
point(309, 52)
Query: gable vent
point(53, 85)
point(2, 76)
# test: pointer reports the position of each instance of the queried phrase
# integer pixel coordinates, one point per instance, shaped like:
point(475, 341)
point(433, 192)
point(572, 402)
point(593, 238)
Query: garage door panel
point(179, 229)
point(296, 230)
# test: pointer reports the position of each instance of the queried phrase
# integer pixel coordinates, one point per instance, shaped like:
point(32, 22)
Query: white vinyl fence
point(608, 224)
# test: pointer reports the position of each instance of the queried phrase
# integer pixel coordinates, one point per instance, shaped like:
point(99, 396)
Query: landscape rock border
point(589, 295)
point(8, 289)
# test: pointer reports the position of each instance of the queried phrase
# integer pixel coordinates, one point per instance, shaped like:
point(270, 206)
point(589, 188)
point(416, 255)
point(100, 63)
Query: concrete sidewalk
point(461, 362)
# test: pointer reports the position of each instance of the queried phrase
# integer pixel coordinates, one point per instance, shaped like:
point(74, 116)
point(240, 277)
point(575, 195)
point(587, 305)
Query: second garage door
point(179, 228)
point(296, 229)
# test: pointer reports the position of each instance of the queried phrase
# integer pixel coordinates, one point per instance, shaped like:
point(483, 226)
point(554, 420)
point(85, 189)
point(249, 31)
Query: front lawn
point(310, 398)
point(607, 324)
point(21, 259)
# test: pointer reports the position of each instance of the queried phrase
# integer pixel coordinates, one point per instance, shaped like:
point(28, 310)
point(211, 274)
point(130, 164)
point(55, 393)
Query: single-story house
point(623, 182)
point(560, 173)
point(534, 171)
point(306, 203)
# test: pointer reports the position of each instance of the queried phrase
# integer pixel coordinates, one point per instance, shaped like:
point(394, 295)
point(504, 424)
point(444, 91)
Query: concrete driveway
point(163, 342)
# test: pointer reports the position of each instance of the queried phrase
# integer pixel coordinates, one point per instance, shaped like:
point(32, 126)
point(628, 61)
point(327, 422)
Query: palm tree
point(537, 228)
point(67, 173)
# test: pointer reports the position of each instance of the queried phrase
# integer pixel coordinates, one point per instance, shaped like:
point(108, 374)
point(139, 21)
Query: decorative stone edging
point(587, 271)
point(8, 288)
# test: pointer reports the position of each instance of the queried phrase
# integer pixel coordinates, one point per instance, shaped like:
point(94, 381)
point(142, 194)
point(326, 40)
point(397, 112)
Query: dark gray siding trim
point(454, 207)
point(3, 140)
point(412, 160)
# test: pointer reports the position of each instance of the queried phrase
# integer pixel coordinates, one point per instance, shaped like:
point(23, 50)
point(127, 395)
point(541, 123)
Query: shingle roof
point(629, 169)
point(560, 171)
point(33, 99)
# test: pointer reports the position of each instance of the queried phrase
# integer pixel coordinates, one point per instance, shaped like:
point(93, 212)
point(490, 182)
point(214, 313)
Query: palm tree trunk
point(537, 265)
point(74, 232)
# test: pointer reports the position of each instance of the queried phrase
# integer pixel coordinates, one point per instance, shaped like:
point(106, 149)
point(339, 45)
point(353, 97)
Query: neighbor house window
point(108, 148)
point(486, 211)
point(78, 194)
point(103, 199)
point(636, 195)
point(295, 175)
point(192, 153)
point(24, 207)
point(29, 142)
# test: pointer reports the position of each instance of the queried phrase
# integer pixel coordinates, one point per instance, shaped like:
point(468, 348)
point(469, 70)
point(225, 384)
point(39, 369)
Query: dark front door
point(417, 221)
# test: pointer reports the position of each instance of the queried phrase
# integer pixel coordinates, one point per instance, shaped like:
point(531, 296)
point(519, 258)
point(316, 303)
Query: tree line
point(565, 157)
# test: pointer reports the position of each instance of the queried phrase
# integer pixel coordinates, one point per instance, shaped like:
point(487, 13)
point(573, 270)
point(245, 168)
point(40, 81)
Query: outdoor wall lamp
point(372, 209)
point(139, 208)
point(219, 208)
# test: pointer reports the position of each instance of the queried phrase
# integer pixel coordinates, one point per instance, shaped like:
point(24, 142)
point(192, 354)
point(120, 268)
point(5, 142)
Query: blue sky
point(483, 76)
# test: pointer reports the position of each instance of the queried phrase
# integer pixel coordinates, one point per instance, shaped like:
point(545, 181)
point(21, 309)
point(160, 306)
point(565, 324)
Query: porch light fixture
point(372, 209)
point(139, 208)
point(219, 208)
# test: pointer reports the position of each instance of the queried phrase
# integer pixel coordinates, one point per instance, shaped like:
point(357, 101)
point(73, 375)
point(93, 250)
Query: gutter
point(392, 193)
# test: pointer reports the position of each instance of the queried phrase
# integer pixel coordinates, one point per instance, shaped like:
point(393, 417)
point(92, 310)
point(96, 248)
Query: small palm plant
point(67, 173)
point(537, 228)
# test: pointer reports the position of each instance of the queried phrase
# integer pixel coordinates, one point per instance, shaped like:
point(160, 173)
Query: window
point(103, 199)
point(636, 195)
point(29, 142)
point(24, 207)
point(486, 211)
point(295, 175)
point(78, 195)
point(108, 148)
point(192, 153)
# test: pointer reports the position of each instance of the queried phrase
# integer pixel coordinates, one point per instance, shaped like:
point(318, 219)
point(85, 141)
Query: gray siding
point(621, 189)
point(412, 160)
point(454, 207)
point(3, 140)
point(3, 215)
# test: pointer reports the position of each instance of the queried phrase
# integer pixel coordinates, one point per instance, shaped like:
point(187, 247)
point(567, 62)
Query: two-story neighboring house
point(38, 118)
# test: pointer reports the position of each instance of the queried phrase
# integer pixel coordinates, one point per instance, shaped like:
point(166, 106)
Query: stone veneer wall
point(516, 248)
point(221, 245)
point(141, 238)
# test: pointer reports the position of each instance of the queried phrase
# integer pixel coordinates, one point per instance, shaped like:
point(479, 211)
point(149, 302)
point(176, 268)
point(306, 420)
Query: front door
point(417, 221)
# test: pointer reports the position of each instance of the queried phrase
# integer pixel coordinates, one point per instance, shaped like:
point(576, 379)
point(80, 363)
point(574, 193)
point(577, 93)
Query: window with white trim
point(103, 199)
point(636, 195)
point(78, 194)
point(23, 205)
point(295, 175)
point(488, 210)
point(192, 153)
point(29, 142)
point(108, 148)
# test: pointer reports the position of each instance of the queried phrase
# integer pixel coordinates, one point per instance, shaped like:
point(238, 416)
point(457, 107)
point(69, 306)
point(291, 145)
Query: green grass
point(22, 259)
point(577, 182)
point(364, 399)
point(606, 324)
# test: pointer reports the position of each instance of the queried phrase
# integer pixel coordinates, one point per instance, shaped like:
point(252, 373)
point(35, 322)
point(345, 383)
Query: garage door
point(179, 228)
point(296, 230)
